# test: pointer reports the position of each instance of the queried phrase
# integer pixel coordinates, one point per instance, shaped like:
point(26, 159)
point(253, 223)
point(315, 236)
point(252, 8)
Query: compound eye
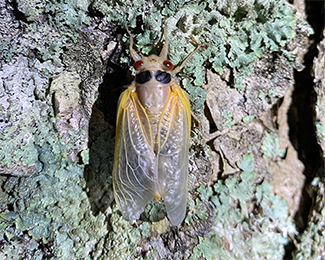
point(138, 64)
point(168, 64)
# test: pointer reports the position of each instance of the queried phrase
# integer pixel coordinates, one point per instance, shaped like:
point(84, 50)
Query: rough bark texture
point(256, 176)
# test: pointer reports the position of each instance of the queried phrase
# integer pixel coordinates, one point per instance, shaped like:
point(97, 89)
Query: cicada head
point(154, 62)
point(154, 76)
point(153, 65)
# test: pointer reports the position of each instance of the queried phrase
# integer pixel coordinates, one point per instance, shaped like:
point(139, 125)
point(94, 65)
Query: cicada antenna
point(164, 50)
point(134, 54)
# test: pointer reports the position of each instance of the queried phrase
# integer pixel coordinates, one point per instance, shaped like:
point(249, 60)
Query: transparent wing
point(173, 155)
point(134, 163)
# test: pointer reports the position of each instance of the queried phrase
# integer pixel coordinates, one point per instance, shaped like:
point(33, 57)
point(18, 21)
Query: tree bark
point(256, 176)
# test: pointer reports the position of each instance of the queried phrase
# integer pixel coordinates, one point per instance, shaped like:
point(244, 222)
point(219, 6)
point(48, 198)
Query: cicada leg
point(178, 69)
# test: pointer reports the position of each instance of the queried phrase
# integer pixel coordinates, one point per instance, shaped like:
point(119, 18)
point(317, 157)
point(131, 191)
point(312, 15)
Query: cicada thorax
point(153, 86)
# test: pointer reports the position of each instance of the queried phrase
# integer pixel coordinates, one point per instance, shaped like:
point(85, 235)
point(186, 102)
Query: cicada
point(152, 138)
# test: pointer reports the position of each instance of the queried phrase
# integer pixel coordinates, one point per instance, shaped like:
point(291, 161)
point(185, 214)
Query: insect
point(152, 138)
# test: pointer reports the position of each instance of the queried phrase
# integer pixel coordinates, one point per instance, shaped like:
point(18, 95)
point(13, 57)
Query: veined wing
point(173, 155)
point(134, 162)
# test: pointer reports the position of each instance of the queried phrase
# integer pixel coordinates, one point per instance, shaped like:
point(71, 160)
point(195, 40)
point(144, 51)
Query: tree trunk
point(256, 178)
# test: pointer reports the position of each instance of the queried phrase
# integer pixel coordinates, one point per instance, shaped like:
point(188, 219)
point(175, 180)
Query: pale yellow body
point(152, 140)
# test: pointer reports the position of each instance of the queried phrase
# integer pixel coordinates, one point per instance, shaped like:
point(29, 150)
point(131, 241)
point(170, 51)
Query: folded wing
point(135, 162)
point(173, 155)
point(138, 171)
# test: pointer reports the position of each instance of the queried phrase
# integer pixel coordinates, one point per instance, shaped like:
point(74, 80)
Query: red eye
point(168, 64)
point(138, 64)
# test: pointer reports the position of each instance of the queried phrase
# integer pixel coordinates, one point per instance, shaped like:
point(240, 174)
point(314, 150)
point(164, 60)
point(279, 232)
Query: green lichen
point(22, 112)
point(228, 116)
point(235, 33)
point(320, 129)
point(48, 18)
point(123, 239)
point(195, 211)
point(270, 146)
point(145, 229)
point(47, 214)
point(205, 193)
point(196, 95)
point(155, 211)
point(50, 214)
point(312, 241)
point(250, 221)
point(6, 53)
point(248, 119)
point(311, 244)
point(73, 11)
point(247, 164)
